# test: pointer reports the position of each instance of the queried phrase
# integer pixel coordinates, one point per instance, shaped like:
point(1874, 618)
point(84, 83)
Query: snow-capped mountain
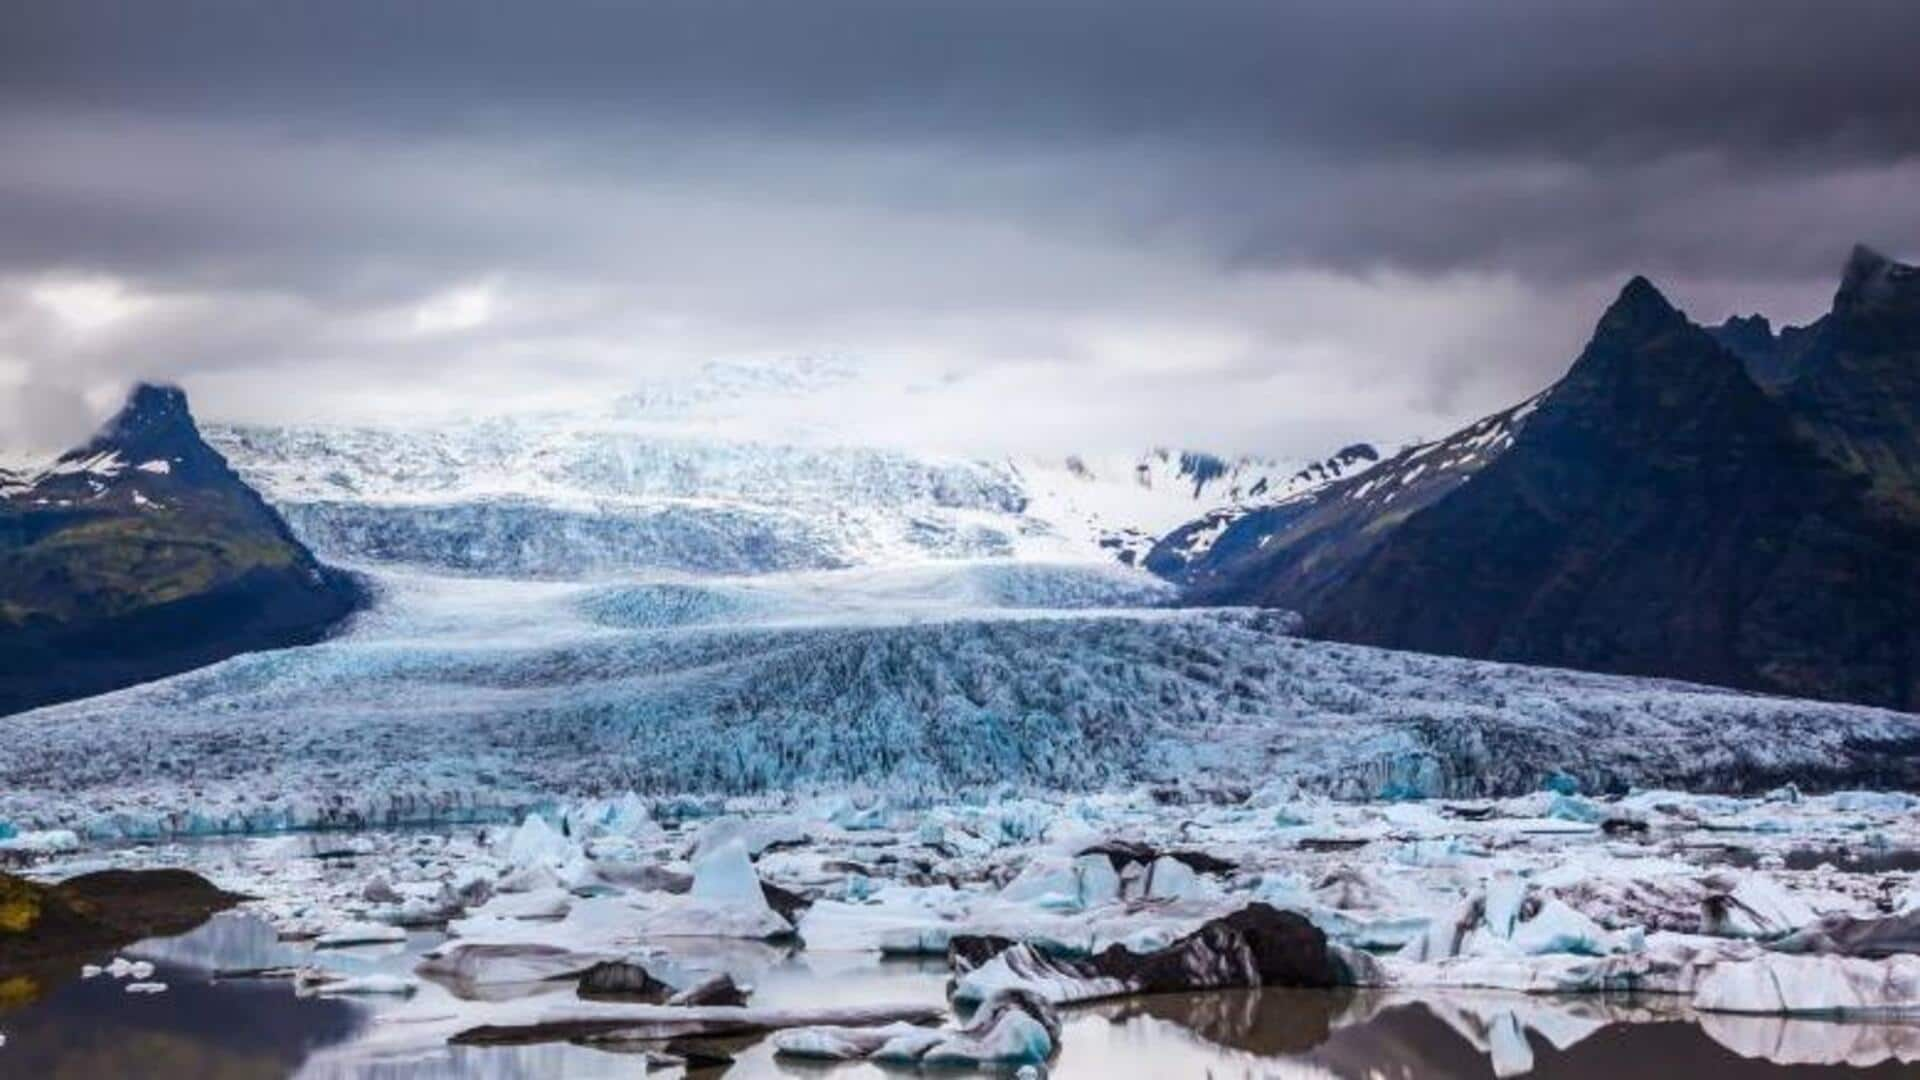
point(1658, 511)
point(837, 617)
point(1332, 511)
point(1125, 505)
point(140, 554)
point(691, 476)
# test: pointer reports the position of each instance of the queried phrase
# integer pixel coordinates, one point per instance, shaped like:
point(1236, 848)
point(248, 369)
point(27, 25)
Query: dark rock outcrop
point(1125, 853)
point(1257, 946)
point(715, 989)
point(789, 904)
point(99, 912)
point(968, 951)
point(620, 980)
point(140, 555)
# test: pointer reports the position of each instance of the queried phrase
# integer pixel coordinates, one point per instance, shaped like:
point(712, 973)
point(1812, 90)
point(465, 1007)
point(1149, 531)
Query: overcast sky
point(1262, 226)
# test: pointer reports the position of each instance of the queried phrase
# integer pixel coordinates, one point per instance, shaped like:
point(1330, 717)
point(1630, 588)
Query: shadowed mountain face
point(1655, 513)
point(140, 555)
point(1856, 388)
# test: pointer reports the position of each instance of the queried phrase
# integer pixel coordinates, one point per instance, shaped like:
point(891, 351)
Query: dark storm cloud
point(1448, 113)
point(1573, 79)
point(288, 185)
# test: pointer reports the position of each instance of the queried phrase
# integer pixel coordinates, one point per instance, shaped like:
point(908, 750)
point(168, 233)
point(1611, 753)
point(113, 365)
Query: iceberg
point(1787, 985)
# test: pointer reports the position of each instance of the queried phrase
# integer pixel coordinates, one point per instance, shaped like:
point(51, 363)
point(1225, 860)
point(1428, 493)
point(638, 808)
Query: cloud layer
point(1243, 226)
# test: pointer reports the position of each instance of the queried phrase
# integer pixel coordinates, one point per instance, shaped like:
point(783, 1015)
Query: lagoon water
point(203, 1028)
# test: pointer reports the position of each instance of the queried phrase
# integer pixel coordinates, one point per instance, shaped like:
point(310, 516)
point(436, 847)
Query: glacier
point(461, 699)
point(672, 595)
point(735, 469)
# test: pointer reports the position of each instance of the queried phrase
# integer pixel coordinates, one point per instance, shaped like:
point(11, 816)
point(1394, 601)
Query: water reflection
point(89, 1028)
point(246, 1028)
point(1477, 1036)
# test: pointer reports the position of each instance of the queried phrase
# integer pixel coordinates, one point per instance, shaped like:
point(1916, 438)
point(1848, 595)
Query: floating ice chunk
point(907, 940)
point(1874, 802)
point(757, 835)
point(1557, 928)
point(717, 988)
point(1751, 906)
point(1022, 968)
point(1171, 879)
point(1813, 986)
point(1575, 808)
point(123, 968)
point(1748, 823)
point(538, 842)
point(1009, 1029)
point(898, 920)
point(89, 971)
point(360, 933)
point(1056, 883)
point(845, 1043)
point(855, 818)
point(1258, 945)
point(45, 842)
point(372, 985)
point(549, 903)
point(1505, 893)
point(1283, 890)
point(1840, 934)
point(1491, 925)
point(1047, 882)
point(1437, 852)
point(1782, 1040)
point(1099, 882)
point(531, 877)
point(477, 965)
point(726, 900)
point(725, 875)
point(146, 988)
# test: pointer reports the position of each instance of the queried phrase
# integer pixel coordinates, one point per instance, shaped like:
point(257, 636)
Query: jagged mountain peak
point(1755, 329)
point(141, 554)
point(1873, 283)
point(1648, 365)
point(153, 411)
point(1639, 313)
point(155, 425)
point(1865, 266)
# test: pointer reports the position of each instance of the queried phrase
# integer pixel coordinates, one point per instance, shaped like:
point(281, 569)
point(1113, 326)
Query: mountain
point(1125, 505)
point(141, 554)
point(1656, 512)
point(1856, 389)
point(734, 468)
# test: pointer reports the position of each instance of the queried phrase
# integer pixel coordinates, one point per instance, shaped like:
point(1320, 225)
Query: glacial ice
point(1813, 986)
point(360, 933)
point(1522, 917)
point(838, 685)
point(1752, 906)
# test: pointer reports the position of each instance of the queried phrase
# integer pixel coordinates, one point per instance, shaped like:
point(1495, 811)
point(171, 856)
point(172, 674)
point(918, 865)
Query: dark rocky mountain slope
point(1656, 512)
point(141, 554)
